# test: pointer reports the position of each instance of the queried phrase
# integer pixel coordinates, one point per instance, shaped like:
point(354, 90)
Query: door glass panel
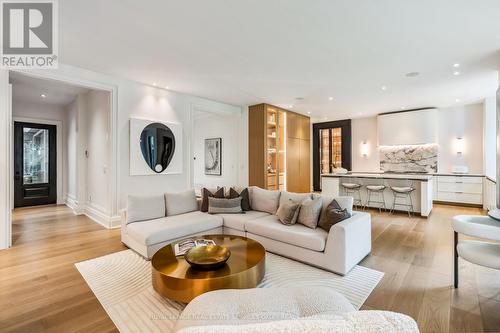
point(337, 147)
point(324, 150)
point(36, 156)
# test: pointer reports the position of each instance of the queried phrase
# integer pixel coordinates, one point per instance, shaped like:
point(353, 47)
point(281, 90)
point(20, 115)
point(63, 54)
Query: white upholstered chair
point(477, 252)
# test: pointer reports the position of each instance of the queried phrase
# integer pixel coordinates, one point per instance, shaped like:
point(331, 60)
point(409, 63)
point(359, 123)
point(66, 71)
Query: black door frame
point(345, 125)
point(19, 198)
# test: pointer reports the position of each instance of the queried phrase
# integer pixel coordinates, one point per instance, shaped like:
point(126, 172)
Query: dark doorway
point(331, 148)
point(35, 169)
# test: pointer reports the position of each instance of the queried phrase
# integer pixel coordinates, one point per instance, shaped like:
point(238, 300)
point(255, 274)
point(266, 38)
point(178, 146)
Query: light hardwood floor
point(41, 290)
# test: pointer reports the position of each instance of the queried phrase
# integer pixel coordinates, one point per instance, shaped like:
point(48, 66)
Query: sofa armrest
point(349, 241)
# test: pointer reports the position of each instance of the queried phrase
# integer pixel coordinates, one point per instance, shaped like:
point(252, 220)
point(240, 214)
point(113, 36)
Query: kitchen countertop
point(383, 175)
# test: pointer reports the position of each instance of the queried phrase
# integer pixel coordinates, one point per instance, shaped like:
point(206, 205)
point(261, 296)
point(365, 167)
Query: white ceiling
point(30, 89)
point(247, 52)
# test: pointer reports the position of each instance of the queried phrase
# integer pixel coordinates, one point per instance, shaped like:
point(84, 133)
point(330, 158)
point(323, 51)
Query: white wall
point(365, 130)
point(96, 113)
point(70, 160)
point(466, 122)
point(208, 125)
point(40, 110)
point(462, 121)
point(489, 124)
point(413, 128)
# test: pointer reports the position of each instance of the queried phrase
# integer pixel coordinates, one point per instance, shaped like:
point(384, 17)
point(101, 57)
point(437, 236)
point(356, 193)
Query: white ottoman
point(260, 305)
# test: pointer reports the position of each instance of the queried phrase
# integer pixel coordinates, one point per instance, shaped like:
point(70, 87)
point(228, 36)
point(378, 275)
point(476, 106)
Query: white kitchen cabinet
point(460, 189)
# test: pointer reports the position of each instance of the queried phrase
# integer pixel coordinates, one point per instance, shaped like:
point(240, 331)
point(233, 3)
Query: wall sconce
point(364, 149)
point(459, 145)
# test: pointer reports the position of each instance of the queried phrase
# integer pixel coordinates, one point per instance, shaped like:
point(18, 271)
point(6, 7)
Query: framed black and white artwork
point(213, 157)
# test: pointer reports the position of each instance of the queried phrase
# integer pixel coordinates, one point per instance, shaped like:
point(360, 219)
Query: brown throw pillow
point(207, 194)
point(288, 212)
point(245, 198)
point(333, 215)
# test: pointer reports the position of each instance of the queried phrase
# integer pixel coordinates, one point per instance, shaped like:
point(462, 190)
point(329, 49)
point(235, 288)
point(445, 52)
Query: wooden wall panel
point(257, 146)
point(292, 165)
point(305, 166)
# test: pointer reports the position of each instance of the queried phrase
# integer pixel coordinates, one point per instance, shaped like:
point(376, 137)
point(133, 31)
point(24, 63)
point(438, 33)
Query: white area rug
point(122, 283)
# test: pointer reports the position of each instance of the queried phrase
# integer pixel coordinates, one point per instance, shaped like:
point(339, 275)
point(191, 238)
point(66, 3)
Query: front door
point(35, 169)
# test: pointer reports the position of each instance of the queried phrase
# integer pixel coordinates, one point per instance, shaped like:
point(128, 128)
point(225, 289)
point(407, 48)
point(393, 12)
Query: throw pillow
point(181, 202)
point(310, 211)
point(297, 197)
point(265, 200)
point(206, 194)
point(245, 199)
point(334, 214)
point(224, 206)
point(288, 212)
point(344, 202)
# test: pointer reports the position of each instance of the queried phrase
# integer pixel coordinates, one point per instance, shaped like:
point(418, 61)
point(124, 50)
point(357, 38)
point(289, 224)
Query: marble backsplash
point(414, 158)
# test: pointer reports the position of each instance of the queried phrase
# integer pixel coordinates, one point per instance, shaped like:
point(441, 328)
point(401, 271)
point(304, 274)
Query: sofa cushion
point(172, 227)
point(237, 221)
point(180, 202)
point(310, 211)
point(265, 200)
point(143, 208)
point(298, 235)
point(295, 197)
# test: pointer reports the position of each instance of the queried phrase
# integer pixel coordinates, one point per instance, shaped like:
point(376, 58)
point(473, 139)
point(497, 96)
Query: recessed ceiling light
point(154, 84)
point(456, 65)
point(290, 106)
point(166, 87)
point(308, 112)
point(43, 95)
point(325, 118)
point(412, 74)
point(330, 98)
point(402, 108)
point(457, 100)
point(383, 88)
point(456, 73)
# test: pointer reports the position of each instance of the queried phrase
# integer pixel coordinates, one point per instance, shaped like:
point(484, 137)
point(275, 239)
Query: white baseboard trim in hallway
point(94, 213)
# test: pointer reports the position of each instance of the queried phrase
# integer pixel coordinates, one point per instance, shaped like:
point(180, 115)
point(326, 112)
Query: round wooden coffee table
point(174, 278)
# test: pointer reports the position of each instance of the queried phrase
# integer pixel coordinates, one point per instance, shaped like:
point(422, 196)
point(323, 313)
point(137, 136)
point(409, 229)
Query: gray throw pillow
point(333, 215)
point(224, 206)
point(288, 212)
point(309, 212)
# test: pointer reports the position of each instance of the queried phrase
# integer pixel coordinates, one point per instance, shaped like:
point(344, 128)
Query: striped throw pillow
point(224, 206)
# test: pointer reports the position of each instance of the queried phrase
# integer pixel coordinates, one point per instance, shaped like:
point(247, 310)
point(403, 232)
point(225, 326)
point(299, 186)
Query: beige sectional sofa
point(154, 221)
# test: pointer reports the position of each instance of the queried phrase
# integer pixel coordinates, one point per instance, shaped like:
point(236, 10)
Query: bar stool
point(378, 191)
point(353, 189)
point(403, 192)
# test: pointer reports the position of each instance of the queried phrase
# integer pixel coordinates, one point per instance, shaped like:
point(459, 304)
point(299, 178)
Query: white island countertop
point(383, 175)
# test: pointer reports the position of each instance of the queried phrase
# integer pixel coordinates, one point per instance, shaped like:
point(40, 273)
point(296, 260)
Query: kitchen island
point(421, 197)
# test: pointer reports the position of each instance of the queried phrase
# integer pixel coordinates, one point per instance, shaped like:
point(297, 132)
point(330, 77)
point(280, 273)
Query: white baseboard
point(98, 215)
point(93, 212)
